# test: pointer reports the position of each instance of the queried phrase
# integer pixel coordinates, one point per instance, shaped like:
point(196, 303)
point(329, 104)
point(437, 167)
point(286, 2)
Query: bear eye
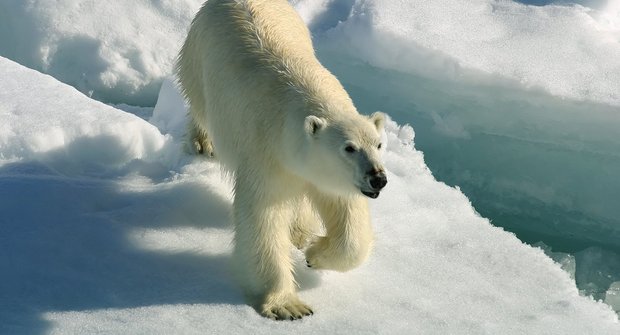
point(379, 146)
point(350, 149)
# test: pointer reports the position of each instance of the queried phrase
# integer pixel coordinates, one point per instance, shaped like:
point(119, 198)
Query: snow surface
point(516, 104)
point(544, 167)
point(474, 78)
point(98, 46)
point(571, 51)
point(108, 228)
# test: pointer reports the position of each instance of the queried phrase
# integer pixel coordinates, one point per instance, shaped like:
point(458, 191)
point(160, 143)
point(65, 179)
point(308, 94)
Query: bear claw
point(291, 312)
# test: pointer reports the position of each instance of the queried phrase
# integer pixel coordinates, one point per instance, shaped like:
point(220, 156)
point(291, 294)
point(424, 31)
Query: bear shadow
point(68, 238)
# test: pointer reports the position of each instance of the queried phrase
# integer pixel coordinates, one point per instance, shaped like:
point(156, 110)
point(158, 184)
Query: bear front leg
point(262, 254)
point(306, 224)
point(349, 236)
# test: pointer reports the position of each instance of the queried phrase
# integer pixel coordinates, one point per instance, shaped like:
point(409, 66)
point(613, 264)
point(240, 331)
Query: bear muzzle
point(377, 181)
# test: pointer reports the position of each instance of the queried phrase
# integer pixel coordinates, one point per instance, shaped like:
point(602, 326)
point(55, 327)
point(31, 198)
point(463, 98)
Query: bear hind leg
point(199, 141)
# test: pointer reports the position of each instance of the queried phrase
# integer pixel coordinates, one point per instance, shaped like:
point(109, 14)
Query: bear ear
point(378, 119)
point(313, 124)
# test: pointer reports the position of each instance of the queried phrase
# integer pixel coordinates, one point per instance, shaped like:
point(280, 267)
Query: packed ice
point(109, 226)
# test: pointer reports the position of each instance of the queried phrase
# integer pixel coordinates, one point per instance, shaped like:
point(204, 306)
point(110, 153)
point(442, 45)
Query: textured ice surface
point(477, 89)
point(612, 296)
point(563, 50)
point(569, 51)
point(517, 105)
point(597, 269)
point(116, 51)
point(565, 260)
point(475, 86)
point(108, 228)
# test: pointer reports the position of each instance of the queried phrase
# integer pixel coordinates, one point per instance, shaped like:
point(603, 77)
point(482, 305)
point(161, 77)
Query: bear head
point(346, 154)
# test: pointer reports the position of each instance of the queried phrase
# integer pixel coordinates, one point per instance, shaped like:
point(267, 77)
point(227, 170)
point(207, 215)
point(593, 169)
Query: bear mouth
point(371, 194)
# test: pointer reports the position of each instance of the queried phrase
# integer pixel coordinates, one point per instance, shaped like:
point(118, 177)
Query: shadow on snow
point(65, 239)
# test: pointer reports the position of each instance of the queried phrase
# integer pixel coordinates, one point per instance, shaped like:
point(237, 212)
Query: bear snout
point(378, 181)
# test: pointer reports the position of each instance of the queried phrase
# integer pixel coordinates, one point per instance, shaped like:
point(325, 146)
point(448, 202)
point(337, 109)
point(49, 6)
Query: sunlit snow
point(108, 226)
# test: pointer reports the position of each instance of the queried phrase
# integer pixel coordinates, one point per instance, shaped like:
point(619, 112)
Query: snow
point(515, 104)
point(536, 86)
point(98, 46)
point(71, 134)
point(567, 51)
point(612, 296)
point(577, 52)
point(108, 227)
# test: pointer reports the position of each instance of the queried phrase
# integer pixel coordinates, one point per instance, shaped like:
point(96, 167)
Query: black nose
point(378, 180)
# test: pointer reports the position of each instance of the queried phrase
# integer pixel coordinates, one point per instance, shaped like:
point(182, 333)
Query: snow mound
point(568, 51)
point(474, 78)
point(62, 128)
point(108, 228)
point(115, 51)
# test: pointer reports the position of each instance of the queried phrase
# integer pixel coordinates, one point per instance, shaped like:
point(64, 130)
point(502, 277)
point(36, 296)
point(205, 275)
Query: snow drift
point(108, 228)
point(515, 104)
point(571, 51)
point(115, 51)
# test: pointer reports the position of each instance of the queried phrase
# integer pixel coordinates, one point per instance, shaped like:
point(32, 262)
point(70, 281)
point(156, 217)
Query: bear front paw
point(323, 255)
point(293, 309)
point(318, 254)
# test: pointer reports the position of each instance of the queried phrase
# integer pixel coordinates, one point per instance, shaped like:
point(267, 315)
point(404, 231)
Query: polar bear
point(302, 158)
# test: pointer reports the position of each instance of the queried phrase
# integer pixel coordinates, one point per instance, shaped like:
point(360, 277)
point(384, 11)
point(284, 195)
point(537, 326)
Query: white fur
point(281, 123)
